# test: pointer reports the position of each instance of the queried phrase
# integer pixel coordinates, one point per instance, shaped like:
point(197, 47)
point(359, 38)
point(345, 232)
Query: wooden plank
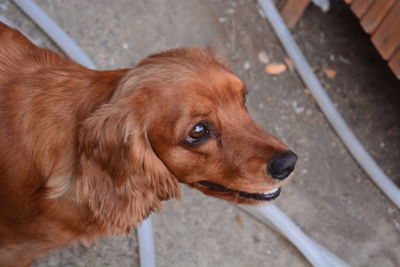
point(394, 64)
point(376, 14)
point(292, 11)
point(359, 7)
point(387, 37)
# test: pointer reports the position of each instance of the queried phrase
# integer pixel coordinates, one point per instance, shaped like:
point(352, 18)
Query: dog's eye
point(198, 134)
point(198, 131)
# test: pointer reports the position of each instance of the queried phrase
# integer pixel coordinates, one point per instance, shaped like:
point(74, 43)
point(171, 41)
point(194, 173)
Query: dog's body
point(43, 98)
point(87, 153)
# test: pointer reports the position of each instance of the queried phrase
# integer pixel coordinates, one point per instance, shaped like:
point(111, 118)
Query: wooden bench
point(380, 18)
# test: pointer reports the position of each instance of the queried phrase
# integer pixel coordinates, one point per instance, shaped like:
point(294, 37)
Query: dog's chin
point(236, 196)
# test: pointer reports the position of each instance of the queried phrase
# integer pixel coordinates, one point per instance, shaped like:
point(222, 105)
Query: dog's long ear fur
point(121, 179)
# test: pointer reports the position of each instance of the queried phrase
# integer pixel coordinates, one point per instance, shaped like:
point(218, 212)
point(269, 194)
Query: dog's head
point(181, 116)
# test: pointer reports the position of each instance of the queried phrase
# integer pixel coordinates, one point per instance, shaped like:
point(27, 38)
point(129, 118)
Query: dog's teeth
point(271, 191)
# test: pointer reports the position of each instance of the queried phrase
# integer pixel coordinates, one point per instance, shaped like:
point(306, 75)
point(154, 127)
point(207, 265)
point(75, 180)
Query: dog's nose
point(283, 165)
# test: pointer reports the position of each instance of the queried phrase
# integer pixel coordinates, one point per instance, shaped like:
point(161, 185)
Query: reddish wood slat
point(375, 14)
point(394, 64)
point(359, 7)
point(292, 11)
point(387, 37)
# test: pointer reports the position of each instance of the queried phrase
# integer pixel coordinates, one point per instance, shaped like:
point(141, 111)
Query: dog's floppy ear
point(121, 179)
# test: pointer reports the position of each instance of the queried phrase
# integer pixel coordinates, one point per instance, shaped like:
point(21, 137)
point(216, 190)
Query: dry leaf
point(330, 73)
point(309, 94)
point(289, 63)
point(239, 220)
point(275, 68)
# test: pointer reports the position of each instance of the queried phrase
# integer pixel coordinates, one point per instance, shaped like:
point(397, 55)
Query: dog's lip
point(266, 196)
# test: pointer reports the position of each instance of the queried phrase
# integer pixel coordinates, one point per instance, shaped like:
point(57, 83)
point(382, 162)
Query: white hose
point(326, 105)
point(54, 31)
point(316, 254)
point(50, 27)
point(146, 245)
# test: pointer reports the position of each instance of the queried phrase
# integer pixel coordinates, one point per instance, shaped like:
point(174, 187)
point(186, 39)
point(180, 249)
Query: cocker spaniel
point(86, 153)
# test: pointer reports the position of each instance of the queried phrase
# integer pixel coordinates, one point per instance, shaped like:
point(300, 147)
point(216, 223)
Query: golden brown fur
point(87, 153)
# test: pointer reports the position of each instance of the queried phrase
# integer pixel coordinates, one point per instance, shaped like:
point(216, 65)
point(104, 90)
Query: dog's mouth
point(266, 196)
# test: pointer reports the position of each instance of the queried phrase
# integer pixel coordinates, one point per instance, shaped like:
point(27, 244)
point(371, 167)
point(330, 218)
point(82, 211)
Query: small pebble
point(344, 60)
point(297, 109)
point(390, 210)
point(263, 57)
point(222, 19)
point(230, 11)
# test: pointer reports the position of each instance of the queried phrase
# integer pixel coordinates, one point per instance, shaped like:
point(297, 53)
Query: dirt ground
point(329, 197)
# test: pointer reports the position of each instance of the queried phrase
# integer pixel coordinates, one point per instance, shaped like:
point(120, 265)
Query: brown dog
point(86, 153)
